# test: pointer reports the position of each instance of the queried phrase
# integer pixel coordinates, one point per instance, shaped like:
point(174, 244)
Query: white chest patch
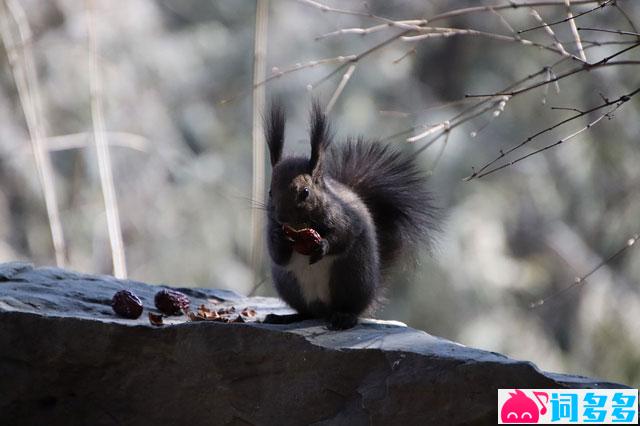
point(313, 279)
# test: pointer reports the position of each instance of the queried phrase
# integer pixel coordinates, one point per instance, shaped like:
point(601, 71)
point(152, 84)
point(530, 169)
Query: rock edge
point(65, 358)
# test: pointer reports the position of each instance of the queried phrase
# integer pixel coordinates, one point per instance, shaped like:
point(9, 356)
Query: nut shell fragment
point(155, 319)
point(248, 312)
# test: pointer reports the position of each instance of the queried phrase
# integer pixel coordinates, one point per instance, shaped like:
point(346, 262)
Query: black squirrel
point(367, 205)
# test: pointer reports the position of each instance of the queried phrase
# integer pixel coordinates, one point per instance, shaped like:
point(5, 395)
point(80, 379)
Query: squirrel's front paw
point(319, 251)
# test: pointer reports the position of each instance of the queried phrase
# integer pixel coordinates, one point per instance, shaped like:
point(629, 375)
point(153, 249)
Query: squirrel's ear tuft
point(274, 124)
point(320, 137)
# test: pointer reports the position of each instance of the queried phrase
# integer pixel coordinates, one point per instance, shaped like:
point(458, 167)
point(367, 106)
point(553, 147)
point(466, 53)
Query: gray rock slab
point(66, 358)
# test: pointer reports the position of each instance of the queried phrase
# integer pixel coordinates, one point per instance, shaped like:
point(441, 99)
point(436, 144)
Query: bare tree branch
point(586, 67)
point(347, 60)
point(631, 33)
point(449, 32)
point(511, 5)
point(549, 31)
point(579, 281)
point(617, 103)
point(568, 18)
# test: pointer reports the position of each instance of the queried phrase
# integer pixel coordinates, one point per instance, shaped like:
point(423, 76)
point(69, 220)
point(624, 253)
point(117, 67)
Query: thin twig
point(343, 82)
point(326, 8)
point(408, 53)
point(24, 74)
point(277, 72)
point(449, 32)
point(574, 31)
point(256, 286)
point(402, 133)
point(569, 18)
point(550, 76)
point(386, 22)
point(392, 113)
point(617, 103)
point(451, 126)
point(359, 57)
point(469, 113)
point(626, 17)
point(444, 126)
point(504, 22)
point(549, 31)
point(503, 154)
point(511, 5)
point(567, 109)
point(602, 30)
point(583, 279)
point(413, 24)
point(105, 166)
point(586, 67)
point(440, 154)
point(348, 60)
point(546, 147)
point(84, 139)
point(496, 113)
point(598, 43)
point(557, 78)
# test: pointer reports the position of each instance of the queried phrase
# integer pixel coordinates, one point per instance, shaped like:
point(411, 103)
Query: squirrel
point(337, 221)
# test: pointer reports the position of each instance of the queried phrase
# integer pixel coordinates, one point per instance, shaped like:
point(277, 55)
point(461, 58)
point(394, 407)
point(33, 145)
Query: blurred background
point(173, 81)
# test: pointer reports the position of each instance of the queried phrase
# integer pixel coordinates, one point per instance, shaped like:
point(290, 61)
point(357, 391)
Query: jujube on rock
point(126, 304)
point(171, 302)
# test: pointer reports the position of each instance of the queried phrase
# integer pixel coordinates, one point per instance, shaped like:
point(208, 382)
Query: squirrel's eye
point(269, 193)
point(304, 194)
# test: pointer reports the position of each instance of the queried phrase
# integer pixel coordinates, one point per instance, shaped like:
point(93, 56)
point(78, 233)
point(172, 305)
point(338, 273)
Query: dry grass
point(24, 74)
point(258, 182)
point(102, 149)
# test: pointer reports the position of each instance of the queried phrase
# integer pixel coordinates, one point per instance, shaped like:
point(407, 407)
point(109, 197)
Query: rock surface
point(65, 358)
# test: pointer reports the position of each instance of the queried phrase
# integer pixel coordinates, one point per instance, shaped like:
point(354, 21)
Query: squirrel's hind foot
point(342, 321)
point(284, 319)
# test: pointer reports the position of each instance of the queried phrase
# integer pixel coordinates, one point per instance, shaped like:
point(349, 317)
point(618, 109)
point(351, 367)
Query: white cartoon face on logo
point(519, 408)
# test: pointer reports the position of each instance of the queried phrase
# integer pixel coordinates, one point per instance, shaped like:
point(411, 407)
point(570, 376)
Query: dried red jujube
point(171, 302)
point(126, 304)
point(305, 240)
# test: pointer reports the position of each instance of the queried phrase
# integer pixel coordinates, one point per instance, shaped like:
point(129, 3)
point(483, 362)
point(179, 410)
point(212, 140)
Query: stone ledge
point(65, 358)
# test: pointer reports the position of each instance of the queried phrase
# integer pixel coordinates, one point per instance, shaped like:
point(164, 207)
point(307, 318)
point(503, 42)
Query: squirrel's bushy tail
point(394, 190)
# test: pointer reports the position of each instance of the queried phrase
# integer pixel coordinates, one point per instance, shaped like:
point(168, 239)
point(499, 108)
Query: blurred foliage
point(182, 161)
